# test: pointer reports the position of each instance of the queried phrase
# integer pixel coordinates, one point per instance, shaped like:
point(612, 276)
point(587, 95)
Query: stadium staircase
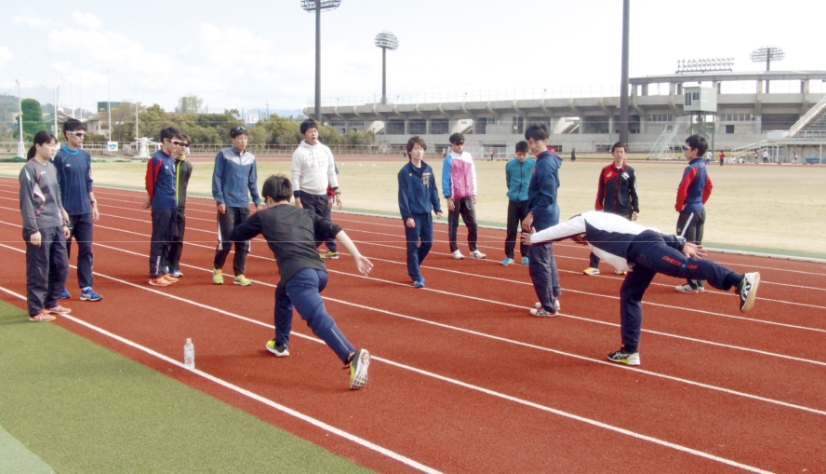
point(660, 149)
point(814, 120)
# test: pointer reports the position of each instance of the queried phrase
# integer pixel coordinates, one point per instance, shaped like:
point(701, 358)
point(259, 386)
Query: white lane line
point(475, 333)
point(377, 448)
point(266, 401)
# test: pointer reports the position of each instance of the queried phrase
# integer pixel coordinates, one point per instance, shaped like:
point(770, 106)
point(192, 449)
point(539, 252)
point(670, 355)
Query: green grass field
point(763, 208)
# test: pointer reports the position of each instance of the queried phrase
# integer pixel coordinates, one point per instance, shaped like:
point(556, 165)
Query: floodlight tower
point(385, 40)
point(73, 93)
point(21, 152)
point(54, 86)
point(767, 54)
point(626, 23)
point(318, 6)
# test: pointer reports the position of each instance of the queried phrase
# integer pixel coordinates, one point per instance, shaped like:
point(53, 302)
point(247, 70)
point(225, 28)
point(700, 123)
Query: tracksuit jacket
point(74, 174)
point(313, 169)
point(183, 171)
point(160, 180)
point(40, 202)
point(459, 176)
point(235, 178)
point(695, 187)
point(418, 193)
point(617, 190)
point(518, 176)
point(543, 189)
point(608, 235)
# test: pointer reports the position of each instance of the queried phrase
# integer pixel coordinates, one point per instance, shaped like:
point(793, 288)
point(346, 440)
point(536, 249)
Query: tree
point(32, 118)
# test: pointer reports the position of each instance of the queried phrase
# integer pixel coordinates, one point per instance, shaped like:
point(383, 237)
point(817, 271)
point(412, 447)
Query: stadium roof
point(730, 76)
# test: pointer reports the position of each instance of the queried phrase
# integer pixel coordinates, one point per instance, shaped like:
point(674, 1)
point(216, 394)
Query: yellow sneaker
point(591, 271)
point(241, 280)
point(217, 276)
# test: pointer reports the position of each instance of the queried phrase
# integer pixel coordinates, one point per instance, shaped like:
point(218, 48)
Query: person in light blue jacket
point(517, 176)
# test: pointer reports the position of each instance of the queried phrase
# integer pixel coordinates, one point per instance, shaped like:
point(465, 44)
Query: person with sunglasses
point(74, 175)
point(234, 179)
point(183, 171)
point(692, 194)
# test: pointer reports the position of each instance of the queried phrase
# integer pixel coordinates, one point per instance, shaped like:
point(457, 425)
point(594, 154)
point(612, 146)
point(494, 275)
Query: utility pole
point(137, 136)
point(73, 94)
point(626, 23)
point(54, 86)
point(109, 102)
point(21, 152)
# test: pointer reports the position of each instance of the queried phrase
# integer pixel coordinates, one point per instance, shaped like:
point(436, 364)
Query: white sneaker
point(477, 254)
point(458, 255)
point(557, 306)
point(689, 289)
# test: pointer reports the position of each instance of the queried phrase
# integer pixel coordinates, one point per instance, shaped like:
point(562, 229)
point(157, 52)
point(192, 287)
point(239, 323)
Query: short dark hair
point(308, 124)
point(169, 133)
point(239, 130)
point(522, 146)
point(417, 140)
point(184, 137)
point(457, 138)
point(618, 145)
point(278, 187)
point(73, 125)
point(697, 142)
point(536, 131)
point(40, 138)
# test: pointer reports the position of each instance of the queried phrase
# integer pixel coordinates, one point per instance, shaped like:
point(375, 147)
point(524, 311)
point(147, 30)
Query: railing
point(661, 146)
point(809, 117)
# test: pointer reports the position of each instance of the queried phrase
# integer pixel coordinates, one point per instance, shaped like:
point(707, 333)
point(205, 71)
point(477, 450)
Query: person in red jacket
point(617, 194)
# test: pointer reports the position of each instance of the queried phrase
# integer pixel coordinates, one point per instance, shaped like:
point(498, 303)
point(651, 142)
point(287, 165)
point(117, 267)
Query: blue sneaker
point(65, 295)
point(525, 261)
point(507, 261)
point(88, 294)
point(418, 284)
point(176, 273)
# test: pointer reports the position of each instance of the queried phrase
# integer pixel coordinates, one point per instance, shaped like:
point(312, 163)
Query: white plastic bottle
point(189, 354)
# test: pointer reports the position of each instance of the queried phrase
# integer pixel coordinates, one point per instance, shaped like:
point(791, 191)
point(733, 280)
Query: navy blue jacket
point(235, 178)
point(160, 181)
point(74, 175)
point(418, 193)
point(542, 190)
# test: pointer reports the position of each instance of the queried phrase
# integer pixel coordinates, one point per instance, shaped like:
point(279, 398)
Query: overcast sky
point(243, 54)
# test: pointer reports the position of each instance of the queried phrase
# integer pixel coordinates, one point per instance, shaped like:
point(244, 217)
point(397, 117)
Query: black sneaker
point(624, 357)
point(279, 351)
point(747, 289)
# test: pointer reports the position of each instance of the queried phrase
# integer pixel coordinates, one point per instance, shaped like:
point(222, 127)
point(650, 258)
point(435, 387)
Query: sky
point(247, 54)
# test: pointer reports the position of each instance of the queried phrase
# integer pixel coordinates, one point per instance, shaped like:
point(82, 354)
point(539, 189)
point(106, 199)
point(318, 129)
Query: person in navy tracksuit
point(74, 174)
point(160, 185)
point(183, 171)
point(418, 197)
point(692, 194)
point(644, 252)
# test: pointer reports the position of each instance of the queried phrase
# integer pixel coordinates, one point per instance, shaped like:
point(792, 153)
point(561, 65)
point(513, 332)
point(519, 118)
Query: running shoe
point(621, 272)
point(176, 273)
point(477, 254)
point(507, 261)
point(748, 290)
point(418, 284)
point(458, 255)
point(160, 281)
point(241, 280)
point(557, 305)
point(279, 351)
point(329, 255)
point(58, 310)
point(525, 261)
point(169, 278)
point(687, 288)
point(65, 294)
point(623, 357)
point(88, 294)
point(42, 317)
point(591, 271)
point(359, 362)
point(217, 276)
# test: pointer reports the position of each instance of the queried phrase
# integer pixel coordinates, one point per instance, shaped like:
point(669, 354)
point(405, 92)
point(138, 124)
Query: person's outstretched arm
point(364, 266)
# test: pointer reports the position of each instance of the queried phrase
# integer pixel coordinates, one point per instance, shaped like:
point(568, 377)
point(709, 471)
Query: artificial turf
point(78, 407)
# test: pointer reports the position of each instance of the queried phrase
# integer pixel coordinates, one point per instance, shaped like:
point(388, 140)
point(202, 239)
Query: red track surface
point(463, 378)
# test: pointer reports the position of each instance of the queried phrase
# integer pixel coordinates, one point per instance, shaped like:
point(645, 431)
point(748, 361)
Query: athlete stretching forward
point(644, 252)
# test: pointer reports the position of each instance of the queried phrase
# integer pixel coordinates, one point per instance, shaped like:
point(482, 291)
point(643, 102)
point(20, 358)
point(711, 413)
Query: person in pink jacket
point(459, 188)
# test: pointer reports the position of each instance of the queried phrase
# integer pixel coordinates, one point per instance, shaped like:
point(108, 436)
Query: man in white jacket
point(643, 252)
point(315, 185)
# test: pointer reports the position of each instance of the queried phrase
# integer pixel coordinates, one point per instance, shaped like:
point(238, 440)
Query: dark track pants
point(650, 255)
point(463, 207)
point(177, 245)
point(542, 268)
point(416, 253)
point(82, 225)
point(302, 291)
point(517, 211)
point(594, 263)
point(318, 204)
point(163, 228)
point(47, 267)
point(226, 222)
point(690, 227)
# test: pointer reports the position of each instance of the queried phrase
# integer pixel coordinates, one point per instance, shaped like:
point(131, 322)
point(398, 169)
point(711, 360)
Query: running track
point(463, 379)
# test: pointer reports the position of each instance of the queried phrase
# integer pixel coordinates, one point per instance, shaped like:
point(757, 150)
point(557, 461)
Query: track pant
point(302, 291)
point(690, 227)
point(416, 253)
point(82, 225)
point(226, 222)
point(544, 275)
point(47, 267)
point(594, 263)
point(517, 211)
point(177, 245)
point(650, 255)
point(463, 207)
point(163, 228)
point(318, 204)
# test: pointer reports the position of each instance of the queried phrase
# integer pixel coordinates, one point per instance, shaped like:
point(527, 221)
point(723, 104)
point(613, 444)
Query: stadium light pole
point(73, 93)
point(21, 152)
point(54, 86)
point(385, 40)
point(623, 135)
point(767, 54)
point(317, 6)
